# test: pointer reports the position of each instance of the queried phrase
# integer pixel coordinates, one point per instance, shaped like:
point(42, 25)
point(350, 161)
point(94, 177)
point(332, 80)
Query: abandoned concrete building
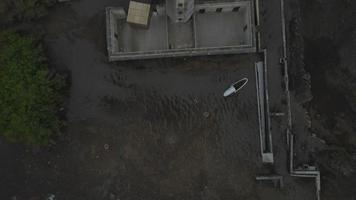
point(187, 28)
point(180, 28)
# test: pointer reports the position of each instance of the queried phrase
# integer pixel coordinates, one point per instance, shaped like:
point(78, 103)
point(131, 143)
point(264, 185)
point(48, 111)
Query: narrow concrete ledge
point(263, 113)
point(276, 179)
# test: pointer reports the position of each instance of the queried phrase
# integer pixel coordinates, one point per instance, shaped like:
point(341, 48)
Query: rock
point(206, 114)
point(51, 197)
point(106, 147)
point(112, 196)
point(196, 100)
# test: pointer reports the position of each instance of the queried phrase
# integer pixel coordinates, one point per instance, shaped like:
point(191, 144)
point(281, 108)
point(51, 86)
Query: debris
point(281, 61)
point(276, 179)
point(51, 197)
point(319, 139)
point(106, 147)
point(206, 114)
point(196, 100)
point(277, 114)
point(112, 196)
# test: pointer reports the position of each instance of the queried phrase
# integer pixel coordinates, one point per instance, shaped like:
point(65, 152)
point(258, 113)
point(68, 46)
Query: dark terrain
point(323, 49)
point(153, 129)
point(160, 129)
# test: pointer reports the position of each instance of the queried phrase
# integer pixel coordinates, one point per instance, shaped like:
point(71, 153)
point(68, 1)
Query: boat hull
point(235, 87)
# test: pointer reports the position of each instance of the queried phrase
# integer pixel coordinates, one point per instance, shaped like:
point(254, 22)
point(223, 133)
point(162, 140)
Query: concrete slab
point(133, 39)
point(180, 35)
point(216, 29)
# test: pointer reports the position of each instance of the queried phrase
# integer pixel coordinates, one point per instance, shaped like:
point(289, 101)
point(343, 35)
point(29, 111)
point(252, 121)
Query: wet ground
point(328, 29)
point(152, 129)
point(160, 144)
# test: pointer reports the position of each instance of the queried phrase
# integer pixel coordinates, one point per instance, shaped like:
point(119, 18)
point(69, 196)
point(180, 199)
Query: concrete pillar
point(180, 11)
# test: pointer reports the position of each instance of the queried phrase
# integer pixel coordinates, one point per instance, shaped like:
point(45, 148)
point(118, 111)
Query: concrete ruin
point(213, 28)
point(264, 113)
point(210, 29)
point(180, 11)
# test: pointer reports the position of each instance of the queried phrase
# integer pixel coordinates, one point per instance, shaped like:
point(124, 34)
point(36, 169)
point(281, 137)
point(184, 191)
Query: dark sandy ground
point(137, 130)
point(326, 49)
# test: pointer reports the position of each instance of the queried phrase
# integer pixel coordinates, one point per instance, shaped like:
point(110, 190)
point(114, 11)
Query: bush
point(19, 11)
point(29, 94)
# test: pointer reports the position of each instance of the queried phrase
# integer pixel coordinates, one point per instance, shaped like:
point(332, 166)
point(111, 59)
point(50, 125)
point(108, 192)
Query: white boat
point(235, 87)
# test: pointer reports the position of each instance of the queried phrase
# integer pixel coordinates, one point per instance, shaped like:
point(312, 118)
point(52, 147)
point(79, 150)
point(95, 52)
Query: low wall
point(263, 113)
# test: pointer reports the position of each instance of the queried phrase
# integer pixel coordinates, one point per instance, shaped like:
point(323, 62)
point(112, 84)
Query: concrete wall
point(111, 29)
point(263, 113)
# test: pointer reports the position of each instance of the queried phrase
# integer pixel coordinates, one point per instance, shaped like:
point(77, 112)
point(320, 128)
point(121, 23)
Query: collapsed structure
point(183, 28)
point(180, 28)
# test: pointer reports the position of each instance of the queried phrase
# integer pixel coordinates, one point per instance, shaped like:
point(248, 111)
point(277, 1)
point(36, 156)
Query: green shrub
point(29, 95)
point(19, 11)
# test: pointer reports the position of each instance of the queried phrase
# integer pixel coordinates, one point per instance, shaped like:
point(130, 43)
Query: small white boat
point(235, 87)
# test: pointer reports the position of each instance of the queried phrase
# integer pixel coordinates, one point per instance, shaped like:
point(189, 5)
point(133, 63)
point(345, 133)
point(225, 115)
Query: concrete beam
point(263, 113)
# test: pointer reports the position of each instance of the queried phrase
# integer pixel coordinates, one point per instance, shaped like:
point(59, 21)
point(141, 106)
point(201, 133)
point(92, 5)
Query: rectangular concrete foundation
point(215, 28)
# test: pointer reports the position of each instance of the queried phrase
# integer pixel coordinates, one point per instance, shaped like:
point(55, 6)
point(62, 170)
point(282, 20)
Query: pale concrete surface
point(222, 29)
point(133, 39)
point(212, 32)
point(181, 35)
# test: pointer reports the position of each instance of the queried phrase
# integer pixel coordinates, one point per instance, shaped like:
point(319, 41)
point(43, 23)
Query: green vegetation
point(18, 11)
point(29, 94)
